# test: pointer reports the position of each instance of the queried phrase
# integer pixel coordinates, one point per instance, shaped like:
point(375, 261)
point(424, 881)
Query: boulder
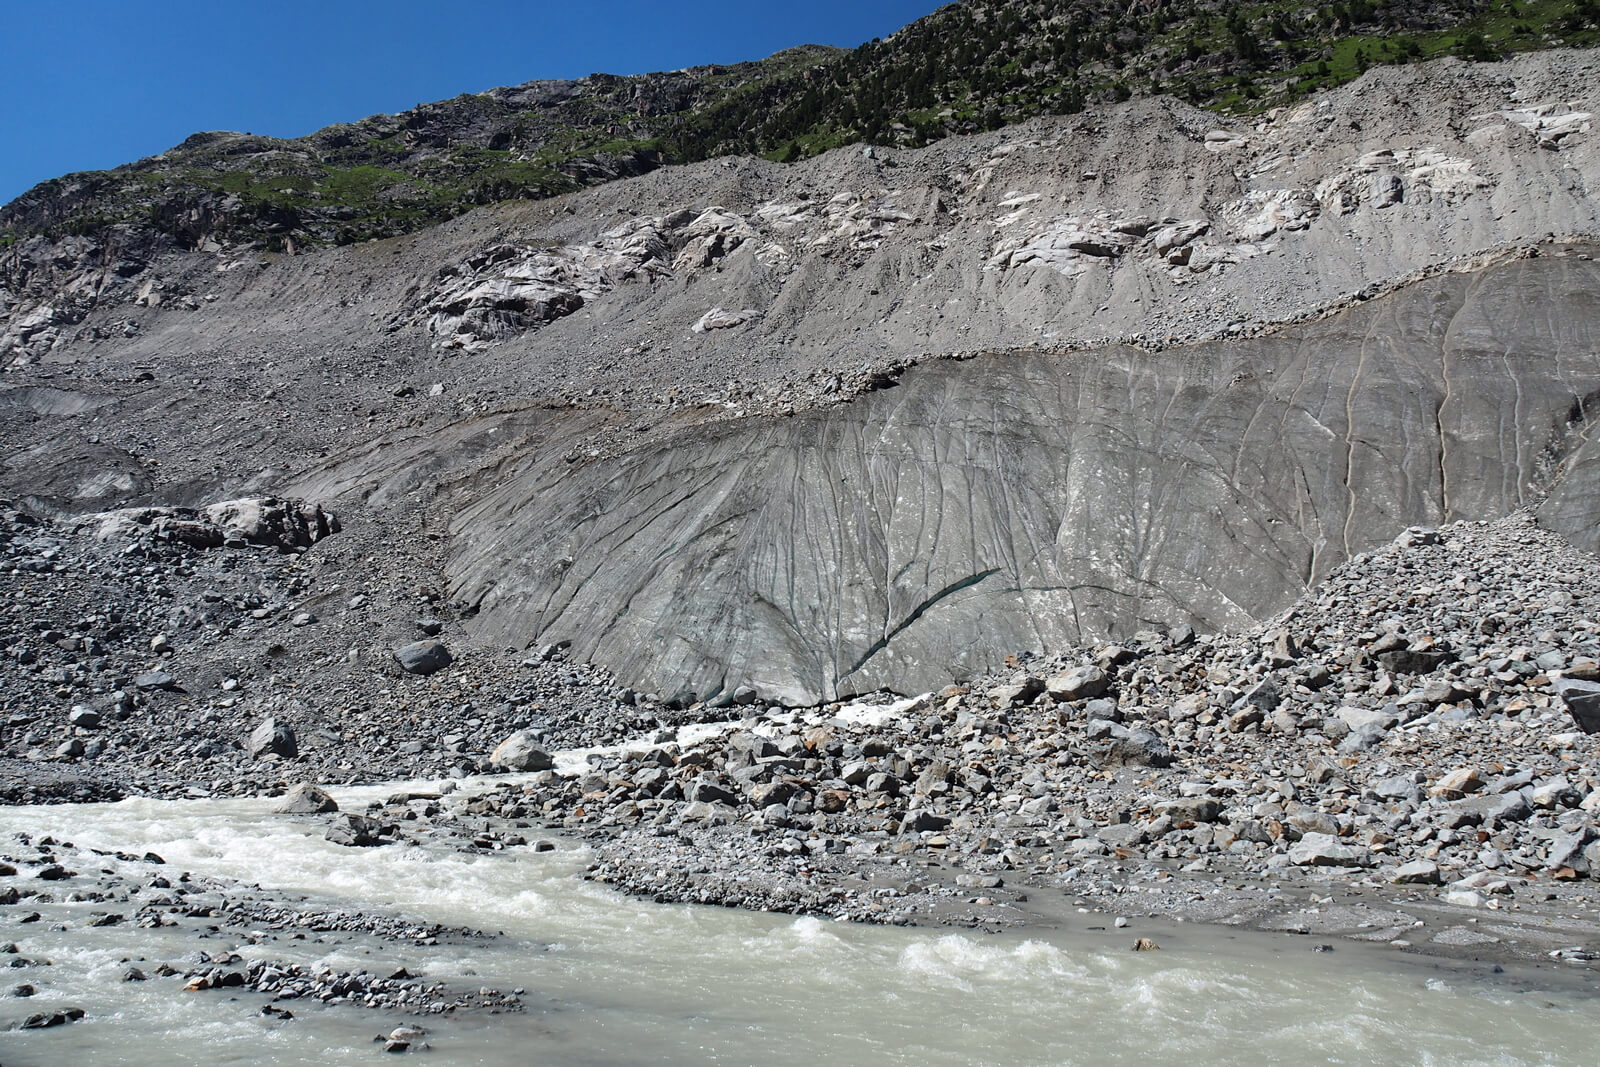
point(520, 752)
point(1139, 748)
point(1079, 683)
point(1582, 699)
point(306, 799)
point(423, 657)
point(358, 831)
point(1325, 850)
point(1417, 872)
point(274, 739)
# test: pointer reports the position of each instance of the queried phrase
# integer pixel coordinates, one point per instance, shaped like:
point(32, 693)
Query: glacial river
point(613, 980)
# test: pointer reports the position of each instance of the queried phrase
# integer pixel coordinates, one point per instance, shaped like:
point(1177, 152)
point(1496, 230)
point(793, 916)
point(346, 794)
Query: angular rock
point(306, 798)
point(1582, 699)
point(520, 752)
point(423, 657)
point(1140, 748)
point(1079, 683)
point(1325, 850)
point(272, 738)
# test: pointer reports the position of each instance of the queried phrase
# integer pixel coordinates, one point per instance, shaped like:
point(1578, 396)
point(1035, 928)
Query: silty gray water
point(610, 979)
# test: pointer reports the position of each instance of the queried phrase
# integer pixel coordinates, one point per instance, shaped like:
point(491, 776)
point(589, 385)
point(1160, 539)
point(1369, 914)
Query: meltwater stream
point(610, 979)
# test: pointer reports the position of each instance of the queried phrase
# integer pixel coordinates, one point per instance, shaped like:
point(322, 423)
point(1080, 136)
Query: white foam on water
point(807, 936)
point(960, 961)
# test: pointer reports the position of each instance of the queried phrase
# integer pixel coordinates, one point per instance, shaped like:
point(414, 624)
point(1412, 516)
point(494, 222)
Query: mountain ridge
point(966, 67)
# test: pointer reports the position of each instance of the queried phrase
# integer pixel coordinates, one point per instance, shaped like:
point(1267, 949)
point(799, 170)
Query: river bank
point(1396, 759)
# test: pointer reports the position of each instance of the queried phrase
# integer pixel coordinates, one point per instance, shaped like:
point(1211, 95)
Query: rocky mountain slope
point(885, 416)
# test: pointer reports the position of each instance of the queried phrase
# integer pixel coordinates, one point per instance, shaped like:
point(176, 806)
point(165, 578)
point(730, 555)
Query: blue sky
point(88, 85)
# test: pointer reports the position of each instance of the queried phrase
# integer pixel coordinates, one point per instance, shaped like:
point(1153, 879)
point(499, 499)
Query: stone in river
point(520, 752)
point(357, 831)
point(307, 799)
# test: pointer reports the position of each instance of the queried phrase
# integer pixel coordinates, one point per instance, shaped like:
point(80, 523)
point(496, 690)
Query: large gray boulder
point(1079, 683)
point(520, 752)
point(306, 798)
point(423, 657)
point(1326, 850)
point(1582, 699)
point(272, 738)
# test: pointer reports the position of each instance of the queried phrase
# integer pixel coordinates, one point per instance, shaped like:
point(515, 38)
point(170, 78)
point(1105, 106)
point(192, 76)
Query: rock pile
point(397, 991)
point(1401, 725)
point(145, 654)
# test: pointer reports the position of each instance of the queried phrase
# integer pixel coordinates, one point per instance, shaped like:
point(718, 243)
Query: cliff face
point(1027, 501)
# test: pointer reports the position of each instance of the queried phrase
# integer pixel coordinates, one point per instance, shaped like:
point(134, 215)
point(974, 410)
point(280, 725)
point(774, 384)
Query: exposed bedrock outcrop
point(1022, 501)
